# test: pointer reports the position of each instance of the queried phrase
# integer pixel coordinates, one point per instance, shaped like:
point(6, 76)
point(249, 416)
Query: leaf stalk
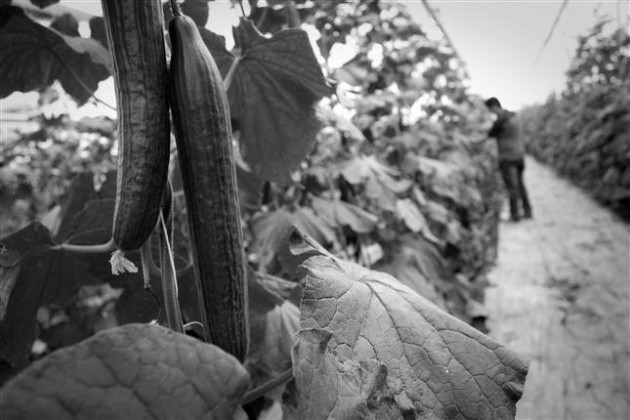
point(261, 390)
point(169, 281)
point(86, 249)
point(229, 77)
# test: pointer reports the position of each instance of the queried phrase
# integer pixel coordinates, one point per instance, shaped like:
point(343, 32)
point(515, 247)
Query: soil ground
point(559, 295)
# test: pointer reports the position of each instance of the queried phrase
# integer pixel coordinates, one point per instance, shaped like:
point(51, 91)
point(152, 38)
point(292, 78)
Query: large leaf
point(130, 372)
point(269, 229)
point(370, 347)
point(33, 57)
point(275, 87)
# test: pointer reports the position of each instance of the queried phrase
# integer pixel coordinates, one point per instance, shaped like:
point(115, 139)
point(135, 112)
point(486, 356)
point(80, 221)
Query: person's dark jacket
point(508, 131)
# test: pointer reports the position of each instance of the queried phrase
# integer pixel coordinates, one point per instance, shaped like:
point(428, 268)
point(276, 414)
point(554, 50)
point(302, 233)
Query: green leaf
point(33, 57)
point(275, 87)
point(378, 179)
point(414, 220)
point(370, 347)
point(130, 372)
point(216, 45)
point(442, 178)
point(274, 291)
point(270, 228)
point(249, 189)
point(340, 213)
point(80, 192)
point(8, 278)
point(271, 341)
point(436, 212)
point(409, 213)
point(66, 24)
point(355, 73)
point(27, 266)
point(93, 224)
point(364, 386)
point(97, 30)
point(273, 322)
point(341, 124)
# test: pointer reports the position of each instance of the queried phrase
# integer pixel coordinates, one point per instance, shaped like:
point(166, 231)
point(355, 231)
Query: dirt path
point(560, 297)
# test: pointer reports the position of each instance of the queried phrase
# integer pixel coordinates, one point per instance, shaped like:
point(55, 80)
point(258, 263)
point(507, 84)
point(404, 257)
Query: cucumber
point(135, 32)
point(203, 132)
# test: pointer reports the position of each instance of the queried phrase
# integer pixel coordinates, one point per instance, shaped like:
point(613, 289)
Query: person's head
point(493, 105)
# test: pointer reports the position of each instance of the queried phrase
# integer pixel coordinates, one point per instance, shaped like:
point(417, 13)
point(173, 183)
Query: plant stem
point(148, 266)
point(86, 249)
point(293, 17)
point(261, 390)
point(83, 85)
point(262, 18)
point(169, 281)
point(227, 82)
point(100, 101)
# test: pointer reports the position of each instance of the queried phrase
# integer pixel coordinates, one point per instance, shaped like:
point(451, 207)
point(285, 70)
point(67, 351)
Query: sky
point(500, 40)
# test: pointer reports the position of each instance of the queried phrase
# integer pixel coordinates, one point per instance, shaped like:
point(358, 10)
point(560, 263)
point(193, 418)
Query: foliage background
point(584, 132)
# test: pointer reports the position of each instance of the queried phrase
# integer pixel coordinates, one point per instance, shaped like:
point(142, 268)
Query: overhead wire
point(553, 28)
point(448, 39)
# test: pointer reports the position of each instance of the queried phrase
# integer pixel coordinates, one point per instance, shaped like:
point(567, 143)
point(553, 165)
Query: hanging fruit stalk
point(204, 142)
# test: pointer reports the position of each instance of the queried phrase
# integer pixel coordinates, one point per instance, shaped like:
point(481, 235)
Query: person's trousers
point(512, 173)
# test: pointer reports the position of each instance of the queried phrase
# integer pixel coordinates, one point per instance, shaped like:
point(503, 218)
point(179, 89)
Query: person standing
point(508, 132)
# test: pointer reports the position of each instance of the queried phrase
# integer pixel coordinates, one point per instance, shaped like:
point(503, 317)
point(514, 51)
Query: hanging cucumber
point(204, 141)
point(135, 32)
point(136, 38)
